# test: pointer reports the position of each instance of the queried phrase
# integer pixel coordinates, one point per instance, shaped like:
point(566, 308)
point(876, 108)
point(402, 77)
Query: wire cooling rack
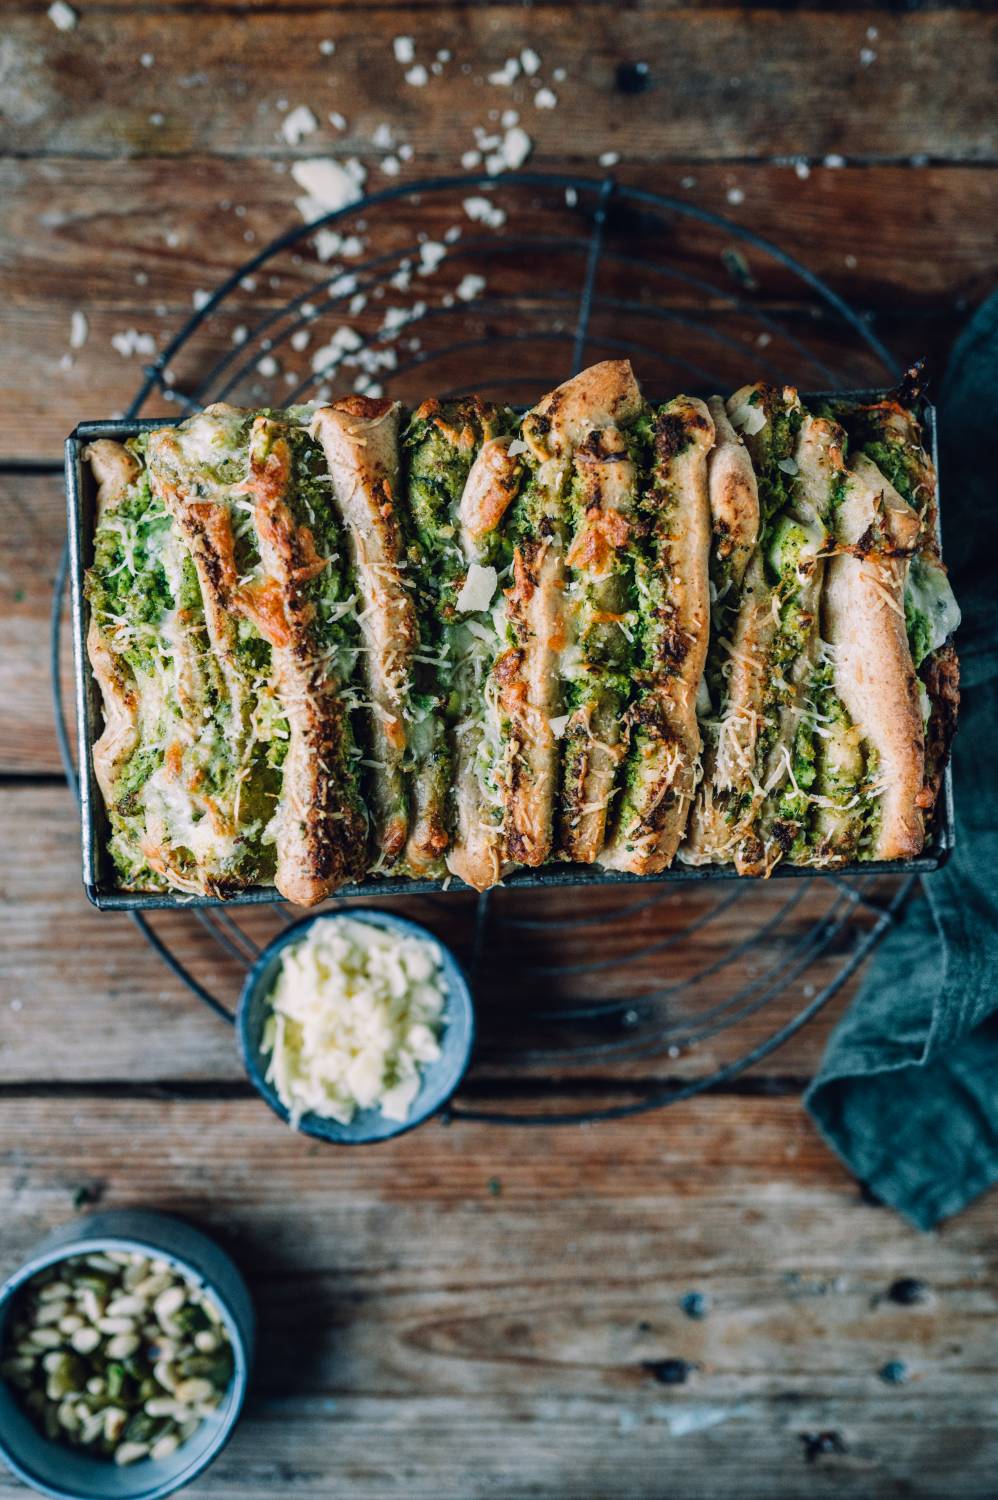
point(594, 1002)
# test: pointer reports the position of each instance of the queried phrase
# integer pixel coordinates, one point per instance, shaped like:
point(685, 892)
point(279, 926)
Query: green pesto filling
point(772, 445)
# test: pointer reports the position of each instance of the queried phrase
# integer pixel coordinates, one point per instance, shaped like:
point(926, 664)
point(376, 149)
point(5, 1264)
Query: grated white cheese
point(79, 328)
point(477, 590)
point(470, 286)
point(130, 342)
point(328, 185)
point(483, 211)
point(404, 48)
point(298, 124)
point(356, 1013)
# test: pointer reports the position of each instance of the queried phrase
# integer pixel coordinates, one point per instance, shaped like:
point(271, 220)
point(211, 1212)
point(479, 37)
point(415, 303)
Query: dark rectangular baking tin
point(98, 870)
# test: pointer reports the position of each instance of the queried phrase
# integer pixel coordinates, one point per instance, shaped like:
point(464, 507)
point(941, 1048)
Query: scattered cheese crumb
point(404, 48)
point(529, 61)
point(507, 74)
point(571, 197)
point(328, 185)
point(867, 56)
point(62, 16)
point(514, 148)
point(147, 59)
point(300, 339)
point(340, 121)
point(609, 158)
point(383, 136)
point(79, 328)
point(391, 166)
point(431, 253)
point(470, 287)
point(484, 211)
point(344, 341)
point(835, 161)
point(132, 342)
point(735, 195)
point(200, 299)
point(417, 76)
point(156, 118)
point(545, 99)
point(327, 47)
point(559, 75)
point(471, 159)
point(240, 334)
point(298, 124)
point(268, 365)
point(802, 168)
point(559, 725)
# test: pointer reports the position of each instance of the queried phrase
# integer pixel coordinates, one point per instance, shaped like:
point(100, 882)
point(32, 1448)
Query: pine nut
point(168, 1303)
point(130, 1453)
point(55, 1291)
point(85, 1340)
point(114, 1420)
point(126, 1307)
point(191, 1391)
point(116, 1325)
point(70, 1323)
point(122, 1346)
point(206, 1343)
point(167, 1445)
point(151, 1286)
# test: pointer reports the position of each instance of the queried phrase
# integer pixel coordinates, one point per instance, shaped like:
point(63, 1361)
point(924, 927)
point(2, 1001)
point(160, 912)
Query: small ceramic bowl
point(66, 1473)
point(439, 1079)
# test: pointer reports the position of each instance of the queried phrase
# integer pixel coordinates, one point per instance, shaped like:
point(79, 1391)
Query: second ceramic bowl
point(66, 1473)
point(439, 1079)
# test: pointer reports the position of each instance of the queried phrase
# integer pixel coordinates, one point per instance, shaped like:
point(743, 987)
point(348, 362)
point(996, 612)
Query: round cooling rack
point(593, 1002)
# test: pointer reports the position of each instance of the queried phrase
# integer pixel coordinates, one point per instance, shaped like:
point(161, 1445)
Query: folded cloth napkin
point(907, 1093)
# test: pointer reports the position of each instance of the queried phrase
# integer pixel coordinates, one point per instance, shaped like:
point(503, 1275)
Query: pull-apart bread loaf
point(351, 640)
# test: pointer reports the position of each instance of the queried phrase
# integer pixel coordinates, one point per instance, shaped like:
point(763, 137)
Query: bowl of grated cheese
point(356, 1026)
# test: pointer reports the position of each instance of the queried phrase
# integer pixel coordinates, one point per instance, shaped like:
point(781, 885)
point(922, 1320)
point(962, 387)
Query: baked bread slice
point(662, 764)
point(359, 437)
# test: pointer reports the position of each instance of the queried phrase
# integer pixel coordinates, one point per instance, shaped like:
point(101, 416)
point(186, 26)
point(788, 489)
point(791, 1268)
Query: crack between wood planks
point(234, 1090)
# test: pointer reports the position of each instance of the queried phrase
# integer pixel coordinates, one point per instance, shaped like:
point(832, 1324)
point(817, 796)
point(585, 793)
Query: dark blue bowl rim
point(458, 991)
point(40, 1260)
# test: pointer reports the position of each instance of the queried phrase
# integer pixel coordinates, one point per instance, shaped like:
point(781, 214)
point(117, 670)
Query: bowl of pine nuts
point(126, 1341)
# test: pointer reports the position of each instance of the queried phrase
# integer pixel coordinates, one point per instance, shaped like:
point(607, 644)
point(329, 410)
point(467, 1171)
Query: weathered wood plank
point(465, 1312)
point(730, 82)
point(79, 232)
point(86, 1000)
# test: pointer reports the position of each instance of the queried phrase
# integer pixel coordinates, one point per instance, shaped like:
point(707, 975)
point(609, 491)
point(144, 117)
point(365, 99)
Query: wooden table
point(473, 1310)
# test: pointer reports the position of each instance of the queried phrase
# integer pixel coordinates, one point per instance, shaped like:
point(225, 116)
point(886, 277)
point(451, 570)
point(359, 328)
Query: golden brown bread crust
point(319, 836)
point(863, 610)
point(733, 492)
point(488, 492)
point(114, 469)
point(655, 809)
point(605, 395)
point(359, 436)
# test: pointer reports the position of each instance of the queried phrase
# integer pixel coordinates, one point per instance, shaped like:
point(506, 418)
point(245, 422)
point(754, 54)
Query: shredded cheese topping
point(356, 1012)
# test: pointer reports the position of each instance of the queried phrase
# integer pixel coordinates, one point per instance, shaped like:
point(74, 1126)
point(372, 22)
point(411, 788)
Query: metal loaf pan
point(99, 878)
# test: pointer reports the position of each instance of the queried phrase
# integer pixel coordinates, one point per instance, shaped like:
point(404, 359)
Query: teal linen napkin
point(907, 1093)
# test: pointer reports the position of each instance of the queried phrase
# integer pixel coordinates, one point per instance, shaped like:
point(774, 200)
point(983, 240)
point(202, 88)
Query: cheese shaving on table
point(356, 1013)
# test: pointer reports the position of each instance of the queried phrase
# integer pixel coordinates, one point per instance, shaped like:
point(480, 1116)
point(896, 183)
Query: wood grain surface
point(478, 1310)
